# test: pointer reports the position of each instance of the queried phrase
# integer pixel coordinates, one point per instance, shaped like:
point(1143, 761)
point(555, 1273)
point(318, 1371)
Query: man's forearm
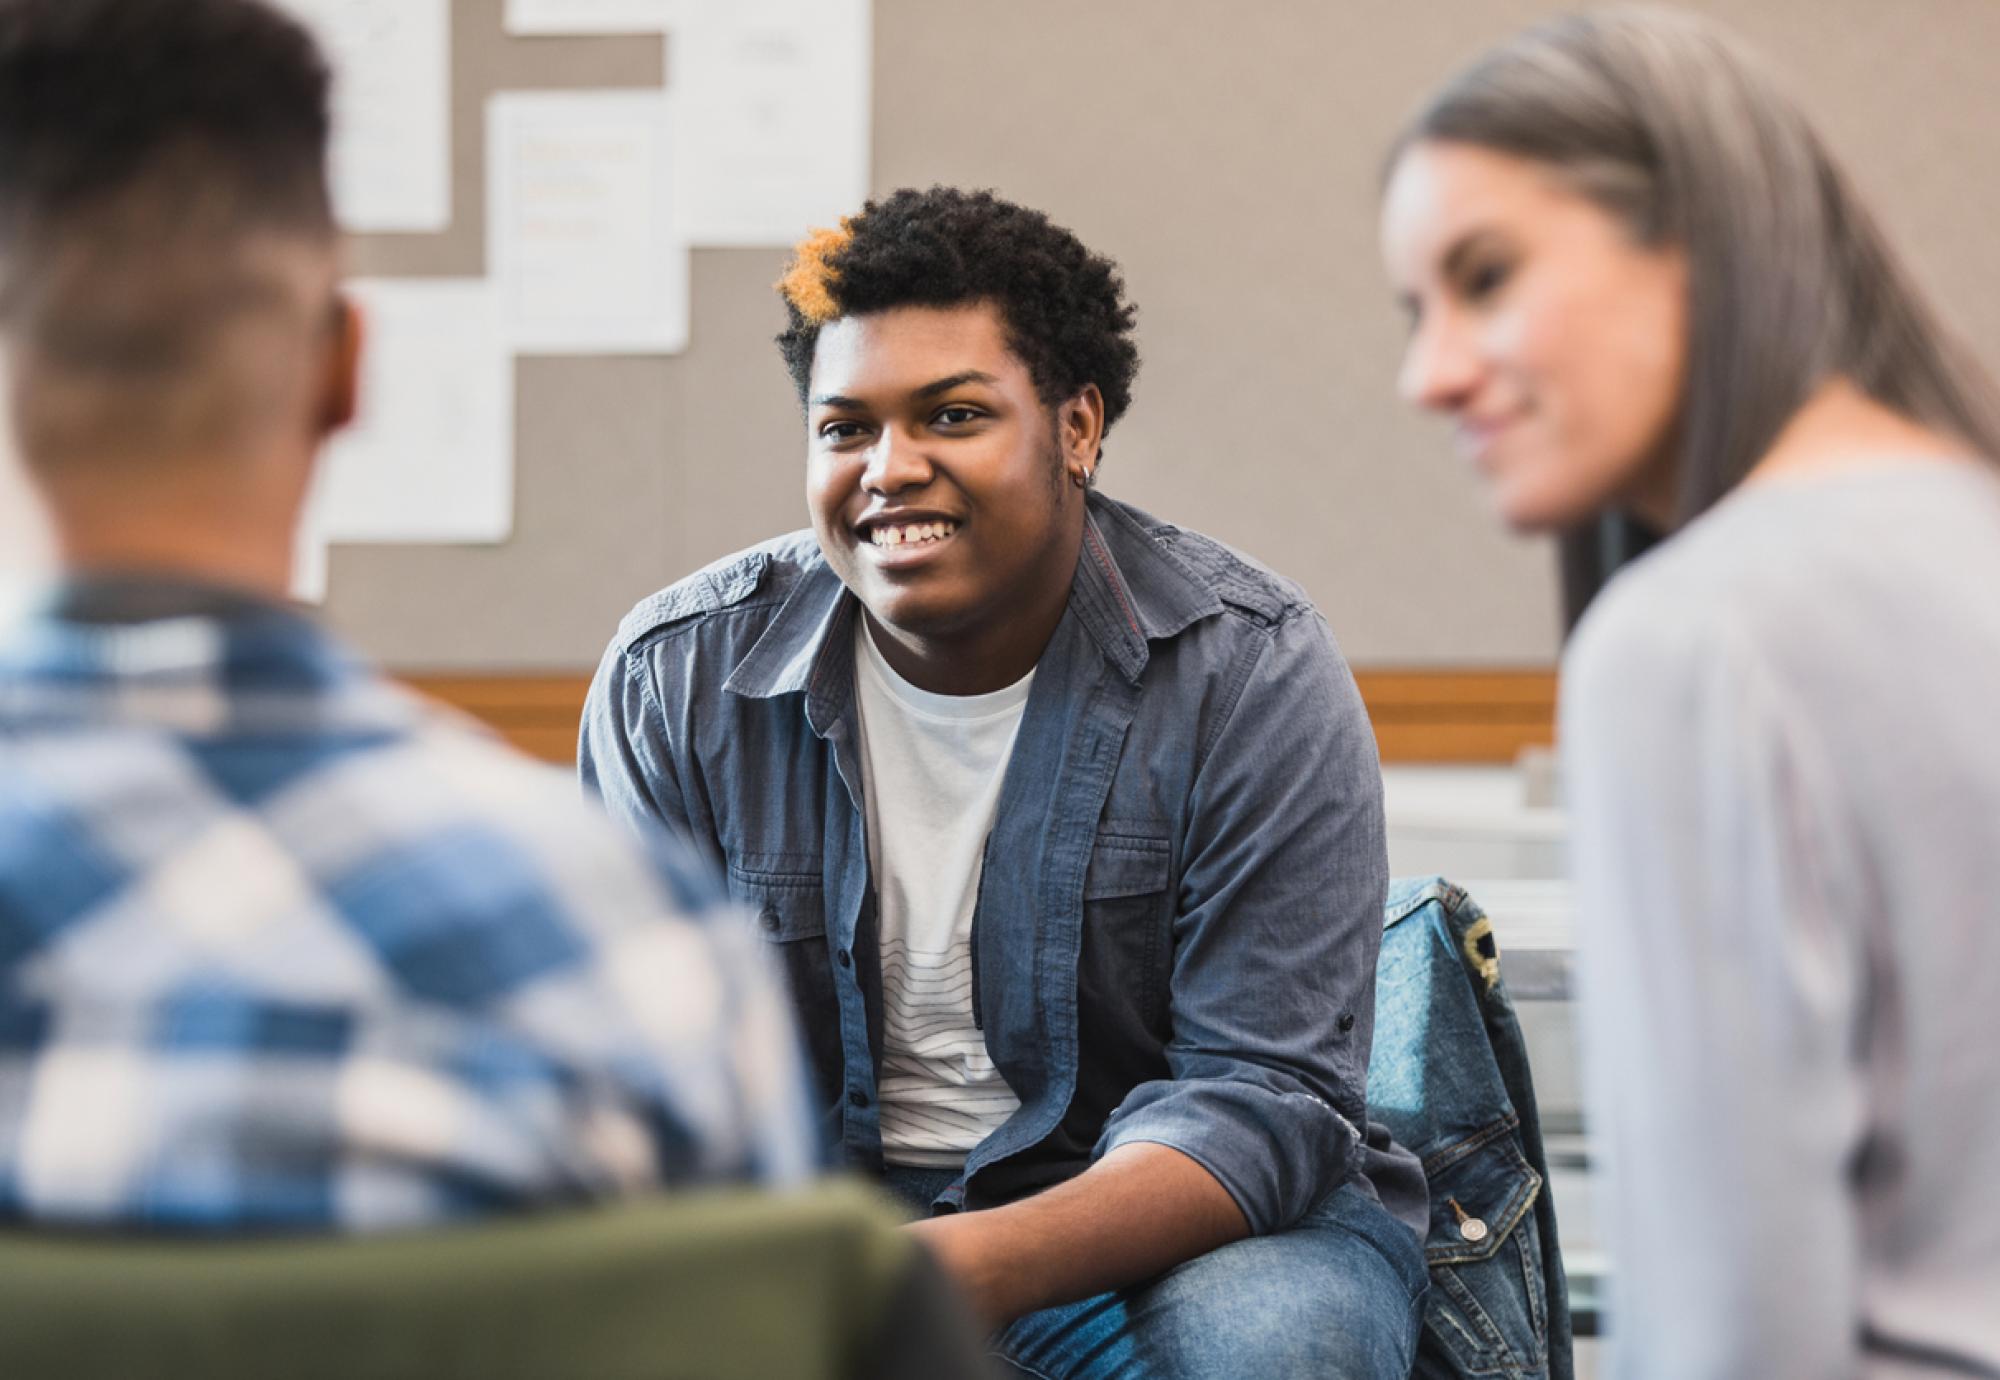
point(1136, 1213)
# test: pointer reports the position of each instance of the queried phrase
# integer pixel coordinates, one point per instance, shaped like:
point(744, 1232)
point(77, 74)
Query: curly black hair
point(1064, 307)
point(97, 94)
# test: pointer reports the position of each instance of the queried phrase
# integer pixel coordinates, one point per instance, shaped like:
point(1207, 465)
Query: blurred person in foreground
point(282, 947)
point(1066, 821)
point(1638, 282)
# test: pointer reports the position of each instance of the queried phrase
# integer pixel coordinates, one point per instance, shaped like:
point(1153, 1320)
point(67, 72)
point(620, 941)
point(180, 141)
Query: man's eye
point(840, 431)
point(957, 416)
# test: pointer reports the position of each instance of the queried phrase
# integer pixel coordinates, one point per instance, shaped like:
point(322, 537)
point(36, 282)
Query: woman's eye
point(957, 416)
point(1485, 280)
point(839, 431)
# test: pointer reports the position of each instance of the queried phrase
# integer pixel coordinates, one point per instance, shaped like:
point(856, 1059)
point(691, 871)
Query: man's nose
point(895, 462)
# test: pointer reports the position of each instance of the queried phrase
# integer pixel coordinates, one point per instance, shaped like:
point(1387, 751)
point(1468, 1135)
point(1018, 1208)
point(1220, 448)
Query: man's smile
point(895, 534)
point(900, 540)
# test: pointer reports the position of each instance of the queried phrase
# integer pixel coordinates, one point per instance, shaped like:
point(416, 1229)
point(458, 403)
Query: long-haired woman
point(1646, 292)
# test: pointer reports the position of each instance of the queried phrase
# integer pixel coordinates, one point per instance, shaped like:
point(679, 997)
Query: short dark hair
point(94, 93)
point(1064, 307)
point(143, 145)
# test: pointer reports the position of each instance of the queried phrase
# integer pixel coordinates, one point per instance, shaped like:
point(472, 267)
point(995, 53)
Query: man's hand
point(1136, 1213)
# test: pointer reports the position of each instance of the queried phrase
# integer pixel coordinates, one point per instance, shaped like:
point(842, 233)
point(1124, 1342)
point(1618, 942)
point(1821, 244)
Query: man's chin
point(918, 614)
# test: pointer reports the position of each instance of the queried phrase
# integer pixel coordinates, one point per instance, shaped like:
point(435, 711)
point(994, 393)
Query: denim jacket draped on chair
point(1449, 1078)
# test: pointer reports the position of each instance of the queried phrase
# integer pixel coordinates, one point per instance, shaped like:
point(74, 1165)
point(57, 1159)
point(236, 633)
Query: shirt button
point(844, 958)
point(768, 919)
point(857, 1099)
point(1346, 1022)
point(1473, 1230)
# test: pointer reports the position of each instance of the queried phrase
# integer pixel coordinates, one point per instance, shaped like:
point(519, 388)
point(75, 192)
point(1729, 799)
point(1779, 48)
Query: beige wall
point(1226, 154)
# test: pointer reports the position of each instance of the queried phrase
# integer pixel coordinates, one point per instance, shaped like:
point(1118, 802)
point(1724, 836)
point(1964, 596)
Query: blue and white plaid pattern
point(282, 946)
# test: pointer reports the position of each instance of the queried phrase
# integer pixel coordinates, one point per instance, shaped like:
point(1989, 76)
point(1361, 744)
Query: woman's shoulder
point(1805, 580)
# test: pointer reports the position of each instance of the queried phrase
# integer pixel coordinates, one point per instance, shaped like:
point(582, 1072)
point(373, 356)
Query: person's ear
point(340, 384)
point(1080, 428)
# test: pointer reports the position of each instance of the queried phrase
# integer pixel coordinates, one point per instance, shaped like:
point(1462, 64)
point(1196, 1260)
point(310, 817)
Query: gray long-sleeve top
point(1781, 737)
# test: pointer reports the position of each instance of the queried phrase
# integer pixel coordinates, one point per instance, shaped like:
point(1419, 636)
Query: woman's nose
point(1441, 367)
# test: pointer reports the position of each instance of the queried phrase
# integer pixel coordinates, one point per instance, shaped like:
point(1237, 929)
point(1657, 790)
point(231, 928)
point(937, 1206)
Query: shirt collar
point(799, 648)
point(1127, 591)
point(212, 662)
point(133, 596)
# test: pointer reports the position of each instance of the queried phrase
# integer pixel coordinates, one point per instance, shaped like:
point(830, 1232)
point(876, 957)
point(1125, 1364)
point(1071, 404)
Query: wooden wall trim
point(1451, 715)
point(1430, 714)
point(537, 714)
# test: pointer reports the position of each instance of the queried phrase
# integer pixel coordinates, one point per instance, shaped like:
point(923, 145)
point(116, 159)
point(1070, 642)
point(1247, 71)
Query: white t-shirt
point(931, 769)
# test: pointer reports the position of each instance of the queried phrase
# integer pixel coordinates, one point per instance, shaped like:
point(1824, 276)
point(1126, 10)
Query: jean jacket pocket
point(1487, 1313)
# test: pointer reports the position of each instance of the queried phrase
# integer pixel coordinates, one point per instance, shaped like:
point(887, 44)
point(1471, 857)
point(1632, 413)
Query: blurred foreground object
point(281, 947)
point(723, 1286)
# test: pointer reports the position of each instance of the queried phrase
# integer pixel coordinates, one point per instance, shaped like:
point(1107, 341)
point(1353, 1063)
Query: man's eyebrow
point(929, 390)
point(946, 384)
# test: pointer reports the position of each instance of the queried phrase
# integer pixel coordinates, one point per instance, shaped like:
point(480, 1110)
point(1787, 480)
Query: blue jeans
point(1338, 1295)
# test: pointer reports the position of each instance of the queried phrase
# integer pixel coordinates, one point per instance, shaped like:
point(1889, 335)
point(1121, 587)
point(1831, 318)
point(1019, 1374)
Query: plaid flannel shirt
point(282, 946)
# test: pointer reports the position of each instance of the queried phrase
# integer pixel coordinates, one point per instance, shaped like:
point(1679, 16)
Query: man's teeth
point(910, 534)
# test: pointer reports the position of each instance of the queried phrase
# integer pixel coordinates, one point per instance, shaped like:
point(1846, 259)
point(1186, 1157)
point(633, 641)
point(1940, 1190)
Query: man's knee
point(1312, 1302)
point(1323, 1300)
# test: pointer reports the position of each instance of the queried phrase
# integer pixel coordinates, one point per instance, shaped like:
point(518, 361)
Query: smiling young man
point(1065, 822)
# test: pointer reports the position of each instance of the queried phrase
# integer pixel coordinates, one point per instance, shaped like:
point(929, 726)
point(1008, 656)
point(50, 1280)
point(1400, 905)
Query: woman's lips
point(1476, 440)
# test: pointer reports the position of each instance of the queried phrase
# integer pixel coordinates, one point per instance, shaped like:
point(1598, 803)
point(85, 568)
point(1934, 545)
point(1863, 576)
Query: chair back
point(817, 1285)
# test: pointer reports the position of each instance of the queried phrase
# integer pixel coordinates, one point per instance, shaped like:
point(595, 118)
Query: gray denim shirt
point(1181, 902)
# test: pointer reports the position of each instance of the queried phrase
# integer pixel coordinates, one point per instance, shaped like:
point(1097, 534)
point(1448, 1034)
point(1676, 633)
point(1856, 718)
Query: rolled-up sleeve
point(1277, 926)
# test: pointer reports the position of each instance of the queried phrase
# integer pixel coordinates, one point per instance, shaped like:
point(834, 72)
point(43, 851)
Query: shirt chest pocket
point(787, 908)
point(1127, 921)
point(788, 905)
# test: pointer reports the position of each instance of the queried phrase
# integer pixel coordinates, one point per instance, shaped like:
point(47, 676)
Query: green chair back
point(699, 1286)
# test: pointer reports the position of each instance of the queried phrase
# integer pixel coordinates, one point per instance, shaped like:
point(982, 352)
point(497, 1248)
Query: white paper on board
point(595, 16)
point(309, 558)
point(581, 243)
point(27, 550)
point(430, 455)
point(774, 101)
point(391, 60)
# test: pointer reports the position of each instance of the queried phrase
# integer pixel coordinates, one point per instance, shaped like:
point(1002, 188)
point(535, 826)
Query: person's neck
point(970, 666)
point(1842, 429)
point(206, 544)
point(224, 520)
point(983, 659)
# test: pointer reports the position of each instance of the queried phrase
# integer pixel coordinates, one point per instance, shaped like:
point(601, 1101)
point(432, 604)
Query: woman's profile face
point(1552, 338)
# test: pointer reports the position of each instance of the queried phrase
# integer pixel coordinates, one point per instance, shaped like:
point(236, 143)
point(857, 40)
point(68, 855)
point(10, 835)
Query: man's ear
point(1081, 430)
point(340, 384)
